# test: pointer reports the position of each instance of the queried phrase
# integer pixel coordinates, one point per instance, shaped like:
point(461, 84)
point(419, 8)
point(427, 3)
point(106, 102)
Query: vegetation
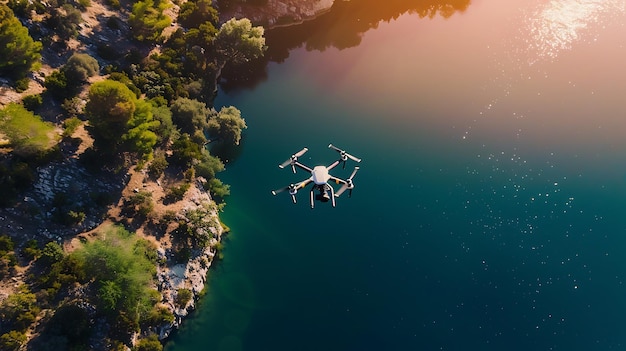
point(148, 19)
point(80, 67)
point(227, 125)
point(183, 296)
point(18, 51)
point(238, 41)
point(119, 120)
point(150, 111)
point(64, 20)
point(27, 133)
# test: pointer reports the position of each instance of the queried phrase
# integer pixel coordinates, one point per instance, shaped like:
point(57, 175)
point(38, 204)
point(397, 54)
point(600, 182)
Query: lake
point(488, 212)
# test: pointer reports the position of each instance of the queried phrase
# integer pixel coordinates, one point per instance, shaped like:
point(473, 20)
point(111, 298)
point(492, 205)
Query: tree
point(142, 139)
point(18, 51)
point(111, 105)
point(148, 20)
point(118, 119)
point(12, 340)
point(238, 42)
point(150, 343)
point(227, 125)
point(189, 115)
point(194, 13)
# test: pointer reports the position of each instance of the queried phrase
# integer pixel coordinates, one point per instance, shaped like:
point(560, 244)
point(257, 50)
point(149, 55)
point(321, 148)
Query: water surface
point(488, 212)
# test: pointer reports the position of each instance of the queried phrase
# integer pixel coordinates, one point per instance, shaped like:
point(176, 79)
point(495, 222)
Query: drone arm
point(334, 164)
point(302, 166)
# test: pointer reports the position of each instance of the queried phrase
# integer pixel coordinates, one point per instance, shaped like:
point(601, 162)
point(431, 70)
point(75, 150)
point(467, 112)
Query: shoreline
point(277, 14)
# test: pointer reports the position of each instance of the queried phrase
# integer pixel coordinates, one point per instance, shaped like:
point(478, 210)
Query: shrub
point(158, 165)
point(80, 67)
point(177, 193)
point(21, 85)
point(140, 203)
point(218, 189)
point(31, 250)
point(183, 296)
point(70, 125)
point(150, 343)
point(56, 83)
point(32, 102)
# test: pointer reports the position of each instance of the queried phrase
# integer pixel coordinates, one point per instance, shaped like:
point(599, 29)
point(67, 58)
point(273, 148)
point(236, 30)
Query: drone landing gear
point(323, 194)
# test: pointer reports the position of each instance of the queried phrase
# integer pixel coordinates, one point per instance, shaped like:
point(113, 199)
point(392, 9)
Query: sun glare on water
point(557, 24)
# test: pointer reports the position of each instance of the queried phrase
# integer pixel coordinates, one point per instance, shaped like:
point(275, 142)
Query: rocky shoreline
point(278, 13)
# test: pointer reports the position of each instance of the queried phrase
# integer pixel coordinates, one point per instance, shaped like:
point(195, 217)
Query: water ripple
point(556, 25)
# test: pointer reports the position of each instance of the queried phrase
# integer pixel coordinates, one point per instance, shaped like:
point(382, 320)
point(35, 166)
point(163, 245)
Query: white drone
point(320, 176)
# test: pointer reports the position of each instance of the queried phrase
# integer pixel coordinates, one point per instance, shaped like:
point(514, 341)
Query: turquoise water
point(488, 211)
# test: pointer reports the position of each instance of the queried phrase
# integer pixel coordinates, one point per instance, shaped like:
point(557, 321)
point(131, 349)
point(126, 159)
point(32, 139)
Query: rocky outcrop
point(278, 12)
point(191, 275)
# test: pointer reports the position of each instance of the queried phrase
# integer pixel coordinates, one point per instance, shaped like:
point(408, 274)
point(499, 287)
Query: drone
point(320, 176)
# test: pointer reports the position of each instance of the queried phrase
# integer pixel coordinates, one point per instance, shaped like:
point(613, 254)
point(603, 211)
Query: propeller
point(292, 160)
point(349, 185)
point(344, 155)
point(293, 189)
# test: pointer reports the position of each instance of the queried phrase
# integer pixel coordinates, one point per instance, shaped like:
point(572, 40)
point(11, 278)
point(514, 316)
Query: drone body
point(320, 177)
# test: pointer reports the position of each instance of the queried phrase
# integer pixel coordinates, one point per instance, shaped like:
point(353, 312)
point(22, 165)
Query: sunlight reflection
point(557, 24)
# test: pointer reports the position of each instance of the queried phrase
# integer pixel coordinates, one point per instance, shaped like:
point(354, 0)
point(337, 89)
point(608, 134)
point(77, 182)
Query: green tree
point(189, 115)
point(237, 42)
point(185, 151)
point(140, 135)
point(227, 125)
point(218, 189)
point(166, 130)
point(12, 341)
point(111, 105)
point(208, 166)
point(150, 343)
point(148, 20)
point(27, 133)
point(194, 13)
point(18, 51)
point(118, 117)
point(52, 253)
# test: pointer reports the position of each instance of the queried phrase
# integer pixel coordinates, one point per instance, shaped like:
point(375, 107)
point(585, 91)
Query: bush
point(158, 165)
point(32, 102)
point(56, 83)
point(80, 67)
point(70, 125)
point(140, 203)
point(21, 85)
point(183, 296)
point(31, 250)
point(177, 193)
point(150, 343)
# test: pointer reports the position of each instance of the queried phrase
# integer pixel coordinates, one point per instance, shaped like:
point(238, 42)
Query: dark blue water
point(488, 213)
